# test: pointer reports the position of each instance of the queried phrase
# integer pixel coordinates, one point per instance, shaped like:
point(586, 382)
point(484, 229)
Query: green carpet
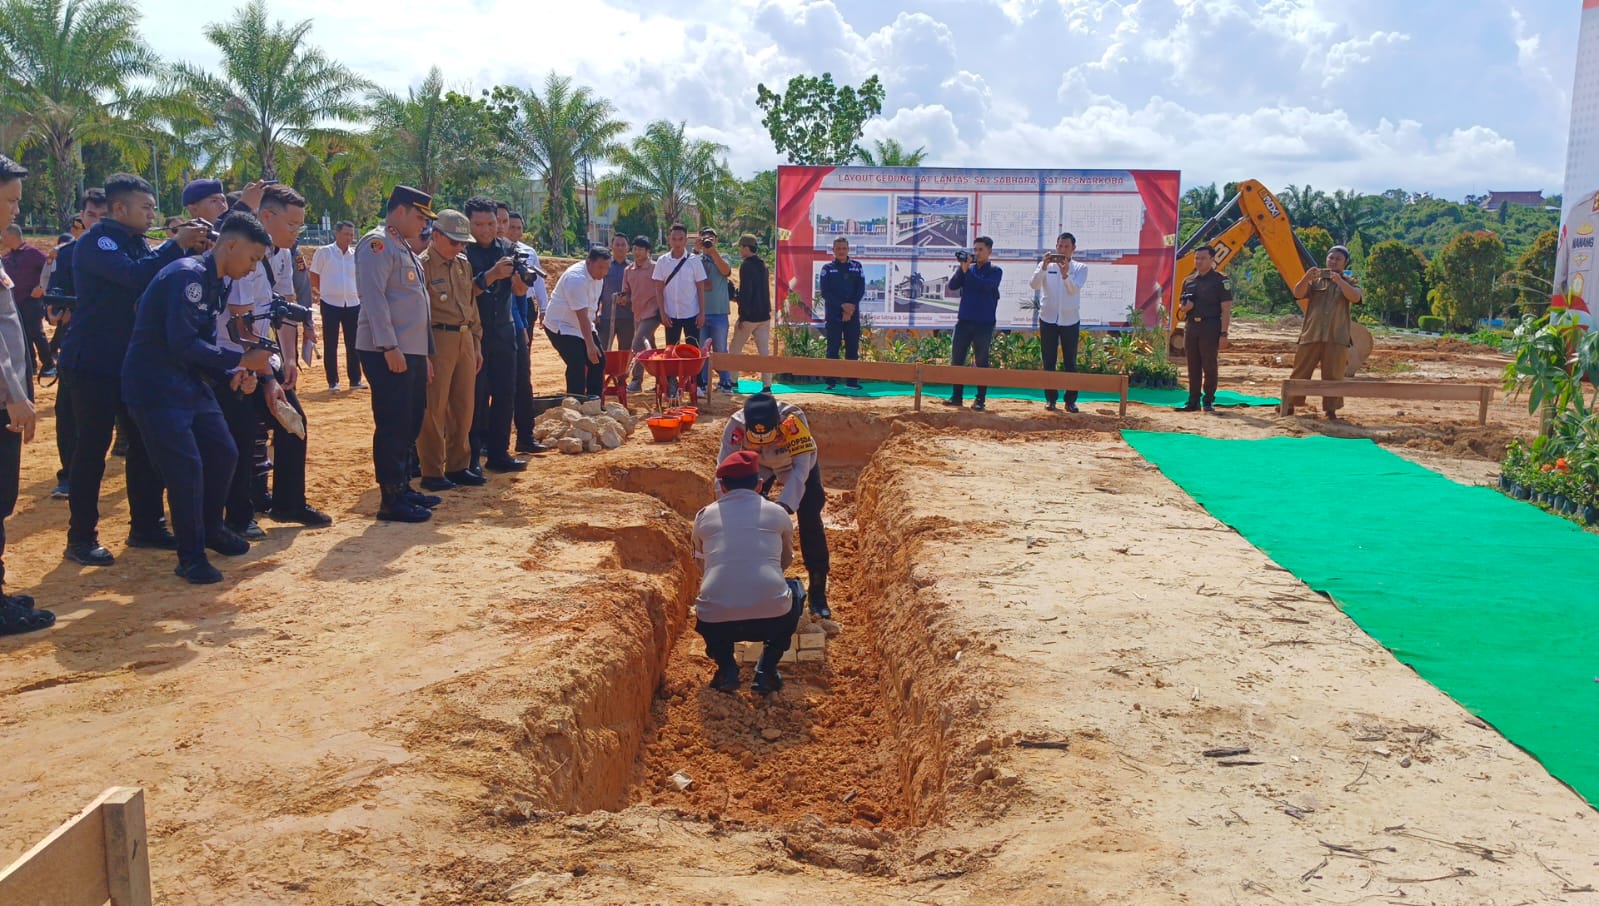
point(1145, 395)
point(1490, 599)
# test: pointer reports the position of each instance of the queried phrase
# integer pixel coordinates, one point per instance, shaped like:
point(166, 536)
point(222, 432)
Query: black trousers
point(244, 424)
point(197, 458)
point(812, 536)
point(10, 478)
point(288, 451)
point(776, 632)
point(974, 337)
point(1202, 343)
point(32, 313)
point(846, 334)
point(66, 429)
point(495, 398)
point(97, 407)
point(522, 413)
point(620, 328)
point(333, 319)
point(398, 401)
point(583, 378)
point(1052, 339)
point(678, 328)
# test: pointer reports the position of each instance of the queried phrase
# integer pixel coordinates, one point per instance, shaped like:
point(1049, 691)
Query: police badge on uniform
point(107, 244)
point(377, 245)
point(194, 292)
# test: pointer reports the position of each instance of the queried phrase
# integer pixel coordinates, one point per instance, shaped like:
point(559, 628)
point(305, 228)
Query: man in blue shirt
point(61, 284)
point(843, 285)
point(111, 267)
point(978, 282)
point(167, 377)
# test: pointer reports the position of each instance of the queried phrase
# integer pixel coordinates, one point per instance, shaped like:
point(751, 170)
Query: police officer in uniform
point(843, 285)
point(394, 341)
point(780, 433)
point(111, 268)
point(167, 380)
point(1206, 303)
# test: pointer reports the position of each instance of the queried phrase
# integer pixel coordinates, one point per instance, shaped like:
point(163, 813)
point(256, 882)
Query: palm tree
point(274, 92)
point(1350, 214)
point(665, 168)
point(66, 70)
point(890, 153)
point(435, 139)
point(756, 208)
point(1305, 206)
point(562, 130)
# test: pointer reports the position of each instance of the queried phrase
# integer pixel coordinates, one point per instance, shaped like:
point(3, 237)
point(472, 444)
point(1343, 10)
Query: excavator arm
point(1260, 217)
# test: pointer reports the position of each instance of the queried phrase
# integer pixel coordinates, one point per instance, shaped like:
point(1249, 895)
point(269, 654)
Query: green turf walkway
point(1143, 395)
point(1490, 599)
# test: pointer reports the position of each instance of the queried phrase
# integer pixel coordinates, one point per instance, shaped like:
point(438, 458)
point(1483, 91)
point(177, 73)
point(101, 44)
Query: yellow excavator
point(1261, 217)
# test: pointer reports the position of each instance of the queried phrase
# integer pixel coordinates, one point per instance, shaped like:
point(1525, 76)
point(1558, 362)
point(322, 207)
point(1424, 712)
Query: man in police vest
point(781, 435)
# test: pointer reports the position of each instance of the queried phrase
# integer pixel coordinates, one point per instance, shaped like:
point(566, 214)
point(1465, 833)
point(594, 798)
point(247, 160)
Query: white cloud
point(1329, 92)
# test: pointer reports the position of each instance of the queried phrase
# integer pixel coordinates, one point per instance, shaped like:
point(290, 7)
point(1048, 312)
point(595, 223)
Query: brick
point(808, 655)
point(790, 657)
point(812, 640)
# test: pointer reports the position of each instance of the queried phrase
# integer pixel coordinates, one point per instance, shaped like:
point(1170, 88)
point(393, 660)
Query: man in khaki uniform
point(442, 445)
point(1324, 340)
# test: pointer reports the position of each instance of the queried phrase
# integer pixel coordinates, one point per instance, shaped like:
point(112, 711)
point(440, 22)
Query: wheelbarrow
point(676, 369)
point(617, 364)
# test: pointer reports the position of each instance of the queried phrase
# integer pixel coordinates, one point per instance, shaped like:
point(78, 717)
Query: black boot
point(767, 679)
point(396, 508)
point(726, 678)
point(818, 596)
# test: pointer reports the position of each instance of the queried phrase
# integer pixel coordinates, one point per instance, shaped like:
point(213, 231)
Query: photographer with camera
point(1206, 303)
point(978, 283)
point(529, 297)
point(263, 303)
point(1060, 311)
point(494, 263)
point(843, 285)
point(1325, 337)
point(170, 381)
point(111, 268)
point(718, 306)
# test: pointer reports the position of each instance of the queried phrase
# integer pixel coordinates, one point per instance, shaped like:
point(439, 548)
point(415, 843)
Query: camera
point(283, 310)
point(707, 243)
point(963, 256)
point(280, 312)
point(528, 272)
point(58, 303)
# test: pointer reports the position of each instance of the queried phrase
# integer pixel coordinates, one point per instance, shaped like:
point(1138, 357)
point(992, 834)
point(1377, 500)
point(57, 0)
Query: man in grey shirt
point(745, 542)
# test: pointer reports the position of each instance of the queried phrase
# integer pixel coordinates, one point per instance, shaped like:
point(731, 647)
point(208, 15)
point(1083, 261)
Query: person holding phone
point(1324, 340)
point(1206, 303)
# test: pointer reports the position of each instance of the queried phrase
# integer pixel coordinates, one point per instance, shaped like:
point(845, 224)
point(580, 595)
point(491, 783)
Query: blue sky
point(1450, 97)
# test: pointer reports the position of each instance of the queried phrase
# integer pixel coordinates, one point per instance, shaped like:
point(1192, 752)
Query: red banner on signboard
point(904, 225)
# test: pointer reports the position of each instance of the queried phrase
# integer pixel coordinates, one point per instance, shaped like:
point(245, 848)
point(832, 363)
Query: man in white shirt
point(1060, 311)
point(569, 322)
point(333, 284)
point(683, 283)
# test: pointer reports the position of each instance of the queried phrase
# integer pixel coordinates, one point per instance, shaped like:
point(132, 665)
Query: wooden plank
point(1122, 409)
point(1482, 406)
point(809, 367)
point(126, 847)
point(918, 387)
point(1393, 390)
point(67, 868)
point(1032, 380)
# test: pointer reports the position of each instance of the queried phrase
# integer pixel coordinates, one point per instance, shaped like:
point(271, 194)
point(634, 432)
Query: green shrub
point(1430, 323)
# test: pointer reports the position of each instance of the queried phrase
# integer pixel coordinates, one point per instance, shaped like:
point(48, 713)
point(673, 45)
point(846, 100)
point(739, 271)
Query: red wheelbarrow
point(676, 370)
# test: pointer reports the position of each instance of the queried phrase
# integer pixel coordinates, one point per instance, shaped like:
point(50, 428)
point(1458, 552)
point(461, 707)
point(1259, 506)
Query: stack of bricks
point(809, 644)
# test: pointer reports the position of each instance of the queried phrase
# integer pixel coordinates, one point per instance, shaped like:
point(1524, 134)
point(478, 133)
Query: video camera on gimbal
point(528, 272)
point(282, 311)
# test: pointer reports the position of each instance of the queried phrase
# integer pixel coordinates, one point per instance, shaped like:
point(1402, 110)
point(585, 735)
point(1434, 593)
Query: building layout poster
point(1575, 265)
point(905, 224)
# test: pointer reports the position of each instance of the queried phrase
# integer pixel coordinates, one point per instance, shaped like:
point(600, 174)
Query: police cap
point(415, 198)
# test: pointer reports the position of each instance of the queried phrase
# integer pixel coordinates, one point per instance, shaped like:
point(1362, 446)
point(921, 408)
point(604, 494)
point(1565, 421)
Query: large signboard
point(904, 224)
point(1575, 260)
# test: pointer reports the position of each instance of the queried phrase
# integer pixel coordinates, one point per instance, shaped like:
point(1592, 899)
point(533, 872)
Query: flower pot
point(665, 428)
point(1520, 491)
point(1590, 514)
point(1505, 483)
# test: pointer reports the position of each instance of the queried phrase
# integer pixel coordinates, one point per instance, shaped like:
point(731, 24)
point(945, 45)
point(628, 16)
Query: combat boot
point(397, 508)
point(818, 596)
point(767, 679)
point(726, 678)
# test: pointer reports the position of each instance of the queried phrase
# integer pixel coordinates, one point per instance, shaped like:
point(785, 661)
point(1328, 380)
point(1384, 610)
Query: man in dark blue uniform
point(843, 285)
point(167, 378)
point(61, 284)
point(111, 268)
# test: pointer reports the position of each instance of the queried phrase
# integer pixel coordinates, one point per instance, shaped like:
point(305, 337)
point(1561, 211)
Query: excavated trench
point(867, 740)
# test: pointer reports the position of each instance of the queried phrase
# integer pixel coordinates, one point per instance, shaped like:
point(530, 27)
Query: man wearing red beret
point(744, 543)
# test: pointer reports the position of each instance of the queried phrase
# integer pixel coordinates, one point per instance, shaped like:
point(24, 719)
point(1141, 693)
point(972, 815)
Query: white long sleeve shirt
point(1063, 293)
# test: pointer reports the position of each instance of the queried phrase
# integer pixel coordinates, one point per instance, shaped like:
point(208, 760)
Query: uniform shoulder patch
point(107, 244)
point(797, 436)
point(376, 245)
point(1226, 283)
point(737, 437)
point(194, 292)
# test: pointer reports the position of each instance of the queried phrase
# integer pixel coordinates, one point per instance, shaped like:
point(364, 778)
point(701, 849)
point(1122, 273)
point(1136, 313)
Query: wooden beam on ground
point(98, 856)
point(825, 368)
point(1393, 390)
point(1029, 380)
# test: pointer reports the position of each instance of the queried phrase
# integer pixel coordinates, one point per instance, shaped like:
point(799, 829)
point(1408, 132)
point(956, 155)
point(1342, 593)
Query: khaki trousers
point(443, 444)
point(1333, 360)
point(762, 332)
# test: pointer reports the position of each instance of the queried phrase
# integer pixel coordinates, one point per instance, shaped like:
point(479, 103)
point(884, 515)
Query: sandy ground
point(486, 708)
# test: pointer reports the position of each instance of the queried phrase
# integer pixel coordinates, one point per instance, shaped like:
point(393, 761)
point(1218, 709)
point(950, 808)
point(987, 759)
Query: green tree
point(890, 153)
point(436, 139)
point(817, 123)
point(756, 210)
point(1198, 205)
point(1534, 275)
point(563, 130)
point(1305, 206)
point(665, 169)
point(273, 93)
point(1350, 215)
point(1317, 241)
point(67, 71)
point(1396, 281)
point(1464, 278)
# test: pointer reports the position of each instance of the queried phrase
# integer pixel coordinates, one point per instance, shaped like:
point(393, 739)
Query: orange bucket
point(665, 427)
point(688, 415)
